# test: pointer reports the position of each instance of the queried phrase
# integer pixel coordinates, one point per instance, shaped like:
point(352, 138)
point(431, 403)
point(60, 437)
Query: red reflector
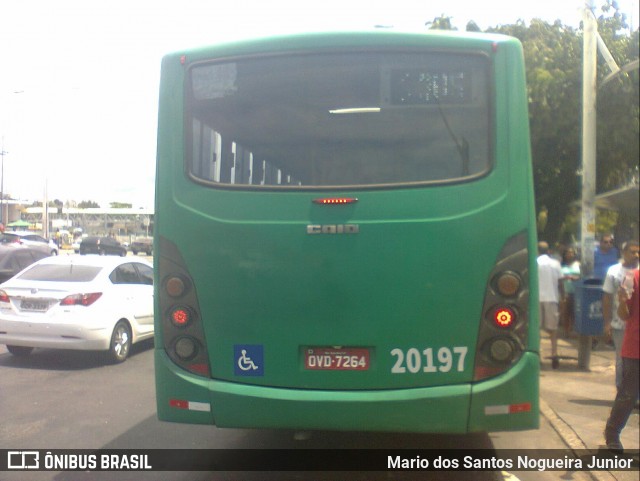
point(520, 408)
point(483, 372)
point(504, 317)
point(199, 369)
point(335, 200)
point(179, 403)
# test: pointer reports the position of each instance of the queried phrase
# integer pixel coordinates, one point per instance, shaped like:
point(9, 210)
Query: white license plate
point(34, 305)
point(332, 359)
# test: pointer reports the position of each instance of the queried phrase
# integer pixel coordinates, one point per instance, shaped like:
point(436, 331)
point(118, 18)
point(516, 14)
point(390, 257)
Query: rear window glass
point(65, 273)
point(357, 119)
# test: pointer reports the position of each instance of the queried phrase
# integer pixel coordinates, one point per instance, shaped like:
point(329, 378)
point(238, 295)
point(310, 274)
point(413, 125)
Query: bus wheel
point(120, 342)
point(19, 350)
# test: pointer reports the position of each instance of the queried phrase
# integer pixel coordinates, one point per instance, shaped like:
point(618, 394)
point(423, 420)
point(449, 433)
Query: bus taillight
point(502, 349)
point(504, 317)
point(508, 283)
point(503, 332)
point(175, 286)
point(181, 319)
point(186, 348)
point(181, 316)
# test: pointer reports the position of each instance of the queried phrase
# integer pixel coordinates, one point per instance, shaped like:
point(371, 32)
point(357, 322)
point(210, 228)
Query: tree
point(553, 56)
point(618, 104)
point(442, 22)
point(88, 204)
point(553, 63)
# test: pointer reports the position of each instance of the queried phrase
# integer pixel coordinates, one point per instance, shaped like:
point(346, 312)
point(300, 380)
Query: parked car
point(30, 239)
point(78, 302)
point(102, 246)
point(144, 244)
point(15, 258)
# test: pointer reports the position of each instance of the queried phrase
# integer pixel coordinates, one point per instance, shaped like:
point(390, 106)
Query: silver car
point(32, 240)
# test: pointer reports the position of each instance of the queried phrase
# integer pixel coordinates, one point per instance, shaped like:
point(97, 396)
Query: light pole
point(2, 154)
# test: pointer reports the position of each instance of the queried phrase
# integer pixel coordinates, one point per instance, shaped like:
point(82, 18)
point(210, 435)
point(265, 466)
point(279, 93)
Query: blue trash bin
point(589, 320)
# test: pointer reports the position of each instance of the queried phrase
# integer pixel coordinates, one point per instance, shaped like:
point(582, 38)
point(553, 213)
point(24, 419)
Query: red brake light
point(180, 316)
point(4, 297)
point(504, 317)
point(335, 200)
point(81, 299)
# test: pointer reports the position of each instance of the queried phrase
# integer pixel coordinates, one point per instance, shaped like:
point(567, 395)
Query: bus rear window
point(333, 120)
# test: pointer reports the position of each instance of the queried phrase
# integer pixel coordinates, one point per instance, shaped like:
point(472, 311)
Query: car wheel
point(120, 342)
point(19, 350)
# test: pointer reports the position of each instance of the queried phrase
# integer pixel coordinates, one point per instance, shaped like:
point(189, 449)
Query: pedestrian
point(570, 274)
point(613, 325)
point(550, 292)
point(627, 395)
point(604, 256)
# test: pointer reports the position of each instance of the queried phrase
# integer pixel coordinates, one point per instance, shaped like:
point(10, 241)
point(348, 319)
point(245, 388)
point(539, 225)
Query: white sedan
point(78, 302)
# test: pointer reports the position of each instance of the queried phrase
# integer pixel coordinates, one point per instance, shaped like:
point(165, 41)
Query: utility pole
point(588, 230)
point(588, 141)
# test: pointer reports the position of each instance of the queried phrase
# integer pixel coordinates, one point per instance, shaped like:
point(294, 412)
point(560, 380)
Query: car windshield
point(8, 238)
point(61, 273)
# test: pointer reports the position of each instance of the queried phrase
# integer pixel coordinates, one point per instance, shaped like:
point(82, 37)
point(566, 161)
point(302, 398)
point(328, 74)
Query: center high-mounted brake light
point(81, 299)
point(335, 200)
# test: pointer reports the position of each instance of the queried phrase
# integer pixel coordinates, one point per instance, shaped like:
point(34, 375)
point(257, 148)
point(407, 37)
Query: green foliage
point(120, 205)
point(88, 204)
point(553, 56)
point(442, 22)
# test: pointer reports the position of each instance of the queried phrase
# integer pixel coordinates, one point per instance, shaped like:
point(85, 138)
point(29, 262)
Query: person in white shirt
point(550, 292)
point(616, 274)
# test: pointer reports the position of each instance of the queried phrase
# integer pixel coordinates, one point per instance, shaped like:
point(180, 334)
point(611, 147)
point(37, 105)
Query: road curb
point(572, 440)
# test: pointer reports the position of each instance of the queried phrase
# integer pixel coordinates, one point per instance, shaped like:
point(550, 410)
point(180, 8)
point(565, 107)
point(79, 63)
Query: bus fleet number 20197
point(431, 360)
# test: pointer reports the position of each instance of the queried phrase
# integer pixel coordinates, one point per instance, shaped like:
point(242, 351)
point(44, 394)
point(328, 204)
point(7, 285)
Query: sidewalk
point(578, 403)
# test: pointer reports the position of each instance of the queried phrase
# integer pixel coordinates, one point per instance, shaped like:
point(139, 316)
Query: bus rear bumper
point(499, 404)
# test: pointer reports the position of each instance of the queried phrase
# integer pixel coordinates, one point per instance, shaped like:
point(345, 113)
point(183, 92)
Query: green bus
point(344, 235)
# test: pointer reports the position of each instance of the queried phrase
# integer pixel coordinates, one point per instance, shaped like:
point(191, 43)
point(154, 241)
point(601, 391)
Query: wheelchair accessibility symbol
point(248, 359)
point(245, 363)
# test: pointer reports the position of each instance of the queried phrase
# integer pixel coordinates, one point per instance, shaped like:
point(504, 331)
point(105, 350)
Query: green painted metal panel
point(412, 279)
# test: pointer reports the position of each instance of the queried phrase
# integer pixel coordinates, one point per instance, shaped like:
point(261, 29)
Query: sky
point(79, 78)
